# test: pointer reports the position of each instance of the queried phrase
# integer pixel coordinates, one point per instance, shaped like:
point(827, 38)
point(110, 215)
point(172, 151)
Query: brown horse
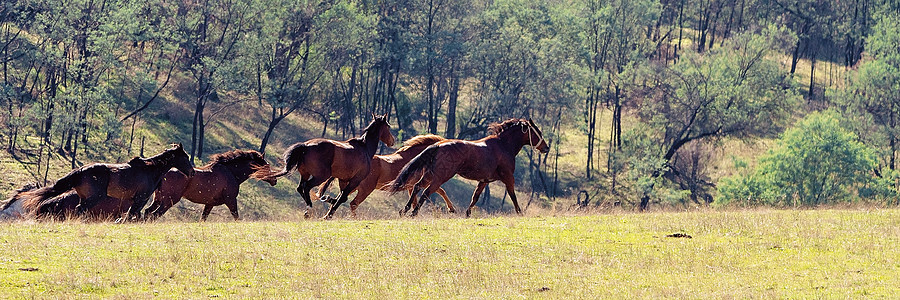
point(385, 168)
point(319, 159)
point(214, 184)
point(486, 160)
point(63, 206)
point(133, 181)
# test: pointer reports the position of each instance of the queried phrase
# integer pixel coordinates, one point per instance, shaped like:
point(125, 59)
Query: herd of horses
point(120, 191)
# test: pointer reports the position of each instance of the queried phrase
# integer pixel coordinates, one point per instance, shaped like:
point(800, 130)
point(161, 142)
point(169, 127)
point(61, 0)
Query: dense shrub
point(816, 162)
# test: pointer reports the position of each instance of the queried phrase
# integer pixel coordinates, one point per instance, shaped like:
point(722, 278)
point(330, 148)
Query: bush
point(817, 162)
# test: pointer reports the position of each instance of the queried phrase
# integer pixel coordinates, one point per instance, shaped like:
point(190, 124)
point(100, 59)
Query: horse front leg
point(138, 202)
point(206, 210)
point(361, 195)
point(475, 196)
point(231, 203)
point(510, 183)
point(450, 206)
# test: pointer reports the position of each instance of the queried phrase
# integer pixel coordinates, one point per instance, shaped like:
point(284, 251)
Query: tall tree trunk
point(680, 30)
point(273, 121)
point(451, 105)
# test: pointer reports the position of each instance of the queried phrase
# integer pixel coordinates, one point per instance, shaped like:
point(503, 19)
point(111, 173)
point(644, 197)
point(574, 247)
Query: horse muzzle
point(543, 148)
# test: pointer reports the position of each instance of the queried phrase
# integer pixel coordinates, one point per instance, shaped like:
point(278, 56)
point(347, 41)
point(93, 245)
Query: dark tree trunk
point(451, 105)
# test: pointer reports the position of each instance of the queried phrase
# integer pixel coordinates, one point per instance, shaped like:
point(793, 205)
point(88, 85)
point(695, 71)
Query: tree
point(873, 91)
point(732, 91)
point(817, 162)
point(614, 43)
point(209, 32)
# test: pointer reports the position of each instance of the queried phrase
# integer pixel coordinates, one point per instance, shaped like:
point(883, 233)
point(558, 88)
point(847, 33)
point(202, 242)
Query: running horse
point(385, 168)
point(133, 182)
point(349, 161)
point(486, 160)
point(63, 207)
point(214, 184)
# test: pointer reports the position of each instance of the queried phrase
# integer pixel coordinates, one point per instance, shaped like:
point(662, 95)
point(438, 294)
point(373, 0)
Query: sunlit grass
point(804, 254)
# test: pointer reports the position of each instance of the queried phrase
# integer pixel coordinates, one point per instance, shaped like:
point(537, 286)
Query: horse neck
point(157, 167)
point(370, 139)
point(240, 171)
point(511, 141)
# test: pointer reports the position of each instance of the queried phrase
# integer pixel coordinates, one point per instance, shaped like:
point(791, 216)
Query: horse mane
point(420, 140)
point(153, 160)
point(135, 161)
point(230, 156)
point(497, 128)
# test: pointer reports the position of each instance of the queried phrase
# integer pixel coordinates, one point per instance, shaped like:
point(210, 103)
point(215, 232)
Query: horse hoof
point(306, 214)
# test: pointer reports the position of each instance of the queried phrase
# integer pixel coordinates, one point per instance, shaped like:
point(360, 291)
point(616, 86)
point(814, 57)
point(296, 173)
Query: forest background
point(646, 104)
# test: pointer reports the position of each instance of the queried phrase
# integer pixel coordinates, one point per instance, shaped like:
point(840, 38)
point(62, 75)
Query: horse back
point(207, 186)
point(474, 160)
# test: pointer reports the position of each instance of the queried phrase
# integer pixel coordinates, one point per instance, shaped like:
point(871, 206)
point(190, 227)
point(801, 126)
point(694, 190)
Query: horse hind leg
point(425, 196)
point(475, 196)
point(91, 192)
point(305, 188)
point(345, 192)
point(425, 182)
point(412, 198)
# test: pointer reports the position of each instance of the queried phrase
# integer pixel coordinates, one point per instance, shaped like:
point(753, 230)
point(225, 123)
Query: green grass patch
point(732, 254)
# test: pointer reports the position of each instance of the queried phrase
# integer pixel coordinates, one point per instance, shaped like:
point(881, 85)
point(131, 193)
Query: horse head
point(179, 160)
point(383, 128)
point(536, 137)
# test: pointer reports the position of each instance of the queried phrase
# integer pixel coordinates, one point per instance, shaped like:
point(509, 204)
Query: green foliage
point(817, 162)
point(736, 90)
point(872, 92)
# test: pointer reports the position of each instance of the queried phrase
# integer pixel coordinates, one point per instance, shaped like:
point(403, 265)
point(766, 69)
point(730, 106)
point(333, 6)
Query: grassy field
point(732, 254)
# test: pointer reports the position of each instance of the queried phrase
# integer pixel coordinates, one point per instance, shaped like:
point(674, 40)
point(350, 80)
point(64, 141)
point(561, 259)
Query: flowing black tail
point(416, 166)
point(292, 157)
point(35, 198)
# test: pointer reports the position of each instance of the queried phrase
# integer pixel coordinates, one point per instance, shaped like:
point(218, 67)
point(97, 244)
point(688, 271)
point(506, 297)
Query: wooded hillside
point(643, 102)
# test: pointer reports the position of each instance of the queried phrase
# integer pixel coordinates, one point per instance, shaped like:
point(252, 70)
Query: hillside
point(646, 104)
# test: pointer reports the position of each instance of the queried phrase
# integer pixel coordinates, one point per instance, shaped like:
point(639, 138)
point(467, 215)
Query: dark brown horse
point(133, 181)
point(385, 168)
point(486, 160)
point(63, 206)
point(214, 184)
point(349, 161)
